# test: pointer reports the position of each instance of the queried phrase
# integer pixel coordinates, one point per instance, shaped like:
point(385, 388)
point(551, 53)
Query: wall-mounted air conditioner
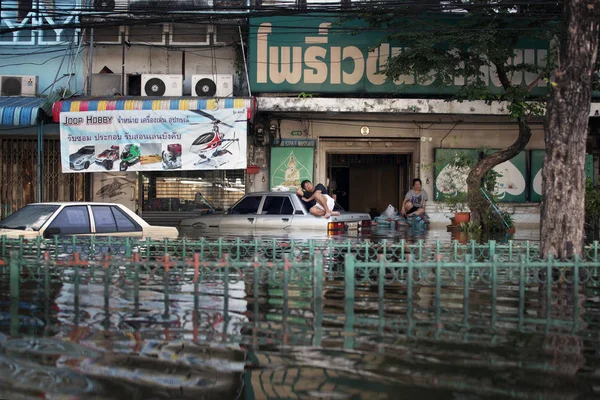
point(162, 85)
point(18, 85)
point(212, 85)
point(110, 5)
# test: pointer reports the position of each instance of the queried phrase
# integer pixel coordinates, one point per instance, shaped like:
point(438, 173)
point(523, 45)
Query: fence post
point(318, 299)
point(349, 301)
point(549, 291)
point(381, 294)
point(492, 247)
point(494, 277)
point(409, 295)
point(14, 276)
point(576, 293)
point(466, 283)
point(521, 292)
point(349, 274)
point(438, 292)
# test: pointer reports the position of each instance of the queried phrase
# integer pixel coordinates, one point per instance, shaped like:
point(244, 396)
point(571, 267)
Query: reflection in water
point(289, 335)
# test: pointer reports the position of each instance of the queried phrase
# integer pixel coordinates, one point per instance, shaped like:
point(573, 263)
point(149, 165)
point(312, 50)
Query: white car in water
point(282, 212)
point(80, 218)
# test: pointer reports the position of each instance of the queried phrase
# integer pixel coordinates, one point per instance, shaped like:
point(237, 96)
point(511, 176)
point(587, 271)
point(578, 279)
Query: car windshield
point(33, 217)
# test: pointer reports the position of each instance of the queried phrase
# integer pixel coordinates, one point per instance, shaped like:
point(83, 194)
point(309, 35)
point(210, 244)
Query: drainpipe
point(40, 159)
point(91, 58)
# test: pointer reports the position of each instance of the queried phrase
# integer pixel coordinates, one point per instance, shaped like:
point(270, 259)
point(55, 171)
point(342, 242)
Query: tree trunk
point(566, 128)
point(478, 204)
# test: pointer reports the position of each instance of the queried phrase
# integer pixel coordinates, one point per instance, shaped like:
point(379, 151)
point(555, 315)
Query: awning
point(149, 103)
point(19, 111)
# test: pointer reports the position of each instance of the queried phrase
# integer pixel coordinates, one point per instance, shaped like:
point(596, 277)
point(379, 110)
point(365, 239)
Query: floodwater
point(103, 339)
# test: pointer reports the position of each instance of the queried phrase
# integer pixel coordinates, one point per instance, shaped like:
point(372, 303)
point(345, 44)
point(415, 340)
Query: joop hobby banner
point(153, 140)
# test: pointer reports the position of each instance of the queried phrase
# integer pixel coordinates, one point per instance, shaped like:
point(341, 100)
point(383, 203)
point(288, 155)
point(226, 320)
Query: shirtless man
point(321, 204)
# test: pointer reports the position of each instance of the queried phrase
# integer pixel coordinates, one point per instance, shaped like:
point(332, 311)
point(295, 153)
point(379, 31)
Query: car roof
point(269, 193)
point(75, 203)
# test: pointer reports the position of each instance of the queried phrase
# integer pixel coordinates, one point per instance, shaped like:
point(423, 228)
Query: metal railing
point(309, 297)
point(274, 249)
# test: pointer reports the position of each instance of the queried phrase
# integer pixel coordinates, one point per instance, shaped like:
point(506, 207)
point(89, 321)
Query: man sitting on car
point(320, 203)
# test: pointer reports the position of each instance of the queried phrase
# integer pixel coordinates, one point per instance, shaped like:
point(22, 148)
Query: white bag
point(390, 212)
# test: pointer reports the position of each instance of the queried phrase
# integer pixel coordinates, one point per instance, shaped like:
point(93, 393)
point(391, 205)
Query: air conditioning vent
point(18, 85)
point(162, 85)
point(212, 85)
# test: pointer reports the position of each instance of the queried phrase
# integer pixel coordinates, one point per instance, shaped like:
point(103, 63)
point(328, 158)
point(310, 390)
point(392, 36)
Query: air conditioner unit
point(162, 85)
point(106, 84)
point(110, 5)
point(212, 85)
point(18, 85)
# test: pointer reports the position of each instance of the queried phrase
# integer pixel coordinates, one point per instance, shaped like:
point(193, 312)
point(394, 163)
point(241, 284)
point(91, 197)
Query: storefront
point(168, 159)
point(29, 148)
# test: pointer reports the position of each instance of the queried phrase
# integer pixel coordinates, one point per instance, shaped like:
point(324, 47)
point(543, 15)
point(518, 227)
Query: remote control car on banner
point(82, 159)
point(108, 157)
point(212, 145)
point(129, 157)
point(171, 158)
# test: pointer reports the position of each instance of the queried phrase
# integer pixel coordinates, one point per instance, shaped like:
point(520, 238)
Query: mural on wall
point(290, 166)
point(153, 140)
point(511, 185)
point(115, 187)
point(537, 162)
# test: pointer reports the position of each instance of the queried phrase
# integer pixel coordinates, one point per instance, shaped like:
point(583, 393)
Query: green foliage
point(592, 203)
point(304, 95)
point(472, 227)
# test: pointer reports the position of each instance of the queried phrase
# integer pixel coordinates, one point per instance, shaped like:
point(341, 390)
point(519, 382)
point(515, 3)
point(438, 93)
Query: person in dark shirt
point(319, 202)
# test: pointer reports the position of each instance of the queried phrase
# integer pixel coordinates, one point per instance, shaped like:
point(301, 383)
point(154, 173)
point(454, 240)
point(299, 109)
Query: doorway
point(368, 182)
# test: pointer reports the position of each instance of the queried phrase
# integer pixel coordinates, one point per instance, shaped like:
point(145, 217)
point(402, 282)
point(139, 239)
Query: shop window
point(200, 192)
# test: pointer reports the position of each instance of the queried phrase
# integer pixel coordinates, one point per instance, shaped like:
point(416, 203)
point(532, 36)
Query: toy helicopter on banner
point(212, 145)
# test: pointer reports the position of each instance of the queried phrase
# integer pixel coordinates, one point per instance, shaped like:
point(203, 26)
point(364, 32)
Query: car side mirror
point(50, 232)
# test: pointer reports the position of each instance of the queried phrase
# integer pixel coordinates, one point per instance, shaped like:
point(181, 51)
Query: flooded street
point(236, 330)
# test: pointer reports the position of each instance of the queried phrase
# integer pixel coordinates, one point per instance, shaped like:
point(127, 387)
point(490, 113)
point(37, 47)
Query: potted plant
point(457, 205)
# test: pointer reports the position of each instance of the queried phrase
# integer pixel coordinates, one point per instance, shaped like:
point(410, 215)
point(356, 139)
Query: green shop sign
point(312, 53)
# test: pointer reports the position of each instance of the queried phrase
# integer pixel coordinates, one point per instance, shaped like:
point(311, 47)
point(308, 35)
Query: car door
point(242, 216)
point(276, 213)
point(111, 221)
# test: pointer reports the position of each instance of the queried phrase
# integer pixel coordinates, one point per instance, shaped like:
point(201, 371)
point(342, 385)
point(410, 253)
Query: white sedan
point(79, 218)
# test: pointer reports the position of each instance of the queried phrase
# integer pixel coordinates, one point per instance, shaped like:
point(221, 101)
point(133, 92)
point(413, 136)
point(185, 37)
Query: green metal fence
point(274, 249)
point(309, 300)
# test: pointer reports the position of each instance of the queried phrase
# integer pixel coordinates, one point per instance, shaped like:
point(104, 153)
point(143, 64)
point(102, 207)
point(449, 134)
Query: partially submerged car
point(108, 157)
point(272, 211)
point(78, 218)
point(82, 158)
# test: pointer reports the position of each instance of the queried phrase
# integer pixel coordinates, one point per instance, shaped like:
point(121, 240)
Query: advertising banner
point(153, 140)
